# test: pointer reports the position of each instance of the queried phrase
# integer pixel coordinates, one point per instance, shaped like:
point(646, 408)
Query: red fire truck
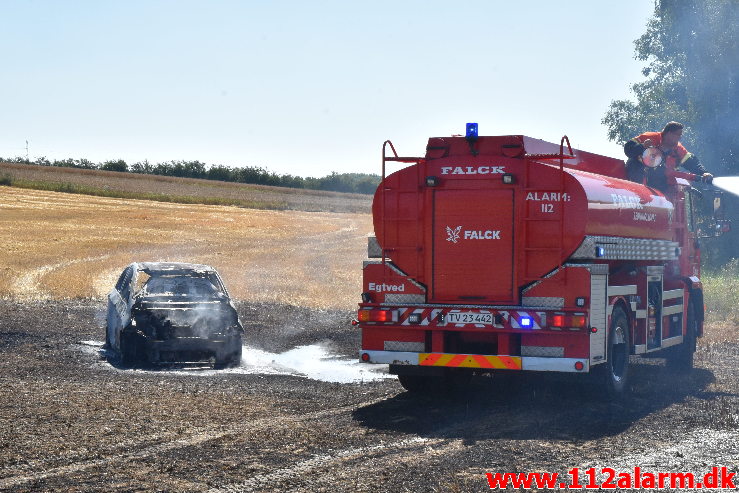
point(508, 253)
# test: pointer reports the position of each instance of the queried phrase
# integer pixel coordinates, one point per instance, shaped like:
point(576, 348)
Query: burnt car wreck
point(166, 313)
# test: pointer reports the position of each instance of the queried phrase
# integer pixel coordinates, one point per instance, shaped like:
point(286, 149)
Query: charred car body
point(172, 313)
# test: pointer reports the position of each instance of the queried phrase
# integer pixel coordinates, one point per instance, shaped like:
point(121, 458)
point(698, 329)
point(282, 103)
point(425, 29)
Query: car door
point(119, 310)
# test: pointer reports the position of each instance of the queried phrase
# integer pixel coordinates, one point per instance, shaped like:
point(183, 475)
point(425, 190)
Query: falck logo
point(453, 234)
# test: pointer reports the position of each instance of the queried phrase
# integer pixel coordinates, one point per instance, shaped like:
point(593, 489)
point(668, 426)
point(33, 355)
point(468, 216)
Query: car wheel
point(107, 344)
point(130, 348)
point(236, 358)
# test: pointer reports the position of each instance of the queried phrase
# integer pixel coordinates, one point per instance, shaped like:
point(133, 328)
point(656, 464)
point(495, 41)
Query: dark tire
point(613, 376)
point(457, 379)
point(107, 344)
point(507, 382)
point(453, 380)
point(235, 359)
point(680, 358)
point(130, 349)
point(417, 383)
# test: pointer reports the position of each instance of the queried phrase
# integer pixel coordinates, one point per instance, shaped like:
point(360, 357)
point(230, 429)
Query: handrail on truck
point(385, 159)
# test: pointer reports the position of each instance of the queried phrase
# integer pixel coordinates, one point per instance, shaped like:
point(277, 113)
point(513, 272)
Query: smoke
point(728, 183)
point(193, 303)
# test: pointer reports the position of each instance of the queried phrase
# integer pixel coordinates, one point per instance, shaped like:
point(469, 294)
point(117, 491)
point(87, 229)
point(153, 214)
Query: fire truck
point(511, 254)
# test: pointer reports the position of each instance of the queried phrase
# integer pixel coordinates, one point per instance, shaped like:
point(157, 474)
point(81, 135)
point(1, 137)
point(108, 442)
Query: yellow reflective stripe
point(470, 361)
point(686, 157)
point(444, 360)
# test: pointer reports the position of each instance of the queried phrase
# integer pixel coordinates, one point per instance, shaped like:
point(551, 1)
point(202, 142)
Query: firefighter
point(673, 155)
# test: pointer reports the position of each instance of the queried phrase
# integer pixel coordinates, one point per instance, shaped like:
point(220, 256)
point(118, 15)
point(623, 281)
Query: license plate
point(469, 318)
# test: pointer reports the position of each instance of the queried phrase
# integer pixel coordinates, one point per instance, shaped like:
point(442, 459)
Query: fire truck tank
point(476, 221)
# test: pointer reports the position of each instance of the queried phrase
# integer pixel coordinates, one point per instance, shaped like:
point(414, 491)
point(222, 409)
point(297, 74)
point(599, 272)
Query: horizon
point(307, 90)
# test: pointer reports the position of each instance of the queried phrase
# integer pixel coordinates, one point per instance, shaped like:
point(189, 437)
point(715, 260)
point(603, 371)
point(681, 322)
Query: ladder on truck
point(420, 175)
point(532, 161)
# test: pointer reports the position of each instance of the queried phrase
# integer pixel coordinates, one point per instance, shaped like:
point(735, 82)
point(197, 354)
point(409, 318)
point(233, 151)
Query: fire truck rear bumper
point(477, 361)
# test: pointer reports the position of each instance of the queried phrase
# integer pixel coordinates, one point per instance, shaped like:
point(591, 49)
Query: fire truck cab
point(511, 254)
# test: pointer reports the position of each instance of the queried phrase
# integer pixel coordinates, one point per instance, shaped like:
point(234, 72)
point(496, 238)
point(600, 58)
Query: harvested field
point(186, 190)
point(57, 245)
point(71, 419)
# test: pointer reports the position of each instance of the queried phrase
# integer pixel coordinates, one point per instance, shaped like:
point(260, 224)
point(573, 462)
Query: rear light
point(577, 321)
point(375, 316)
point(557, 321)
point(365, 357)
point(573, 321)
point(579, 365)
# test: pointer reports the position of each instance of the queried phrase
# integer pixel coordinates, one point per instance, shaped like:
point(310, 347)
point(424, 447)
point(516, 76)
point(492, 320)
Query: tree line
point(337, 182)
point(691, 51)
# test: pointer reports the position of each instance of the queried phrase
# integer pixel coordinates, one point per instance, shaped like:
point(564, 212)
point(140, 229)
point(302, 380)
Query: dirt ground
point(72, 420)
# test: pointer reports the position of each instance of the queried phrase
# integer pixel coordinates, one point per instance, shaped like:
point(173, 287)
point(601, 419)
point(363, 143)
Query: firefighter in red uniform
point(673, 155)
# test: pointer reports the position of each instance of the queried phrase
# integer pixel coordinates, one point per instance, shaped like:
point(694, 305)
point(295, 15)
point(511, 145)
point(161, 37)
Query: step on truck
point(512, 254)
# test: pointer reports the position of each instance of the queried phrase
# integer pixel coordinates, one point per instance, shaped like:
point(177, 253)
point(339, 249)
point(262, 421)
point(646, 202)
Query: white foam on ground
point(314, 362)
point(91, 347)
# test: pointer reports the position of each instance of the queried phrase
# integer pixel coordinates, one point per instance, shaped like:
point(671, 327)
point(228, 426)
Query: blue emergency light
point(600, 251)
point(526, 322)
point(471, 131)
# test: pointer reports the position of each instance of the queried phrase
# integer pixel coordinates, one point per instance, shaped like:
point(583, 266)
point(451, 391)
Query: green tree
point(691, 50)
point(117, 165)
point(143, 167)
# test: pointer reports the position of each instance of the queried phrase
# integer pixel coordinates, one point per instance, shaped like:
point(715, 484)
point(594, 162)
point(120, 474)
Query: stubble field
point(72, 420)
point(182, 190)
point(59, 246)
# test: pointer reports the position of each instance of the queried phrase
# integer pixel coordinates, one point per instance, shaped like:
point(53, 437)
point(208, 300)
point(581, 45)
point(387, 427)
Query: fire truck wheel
point(416, 383)
point(680, 358)
point(457, 379)
point(616, 370)
point(450, 382)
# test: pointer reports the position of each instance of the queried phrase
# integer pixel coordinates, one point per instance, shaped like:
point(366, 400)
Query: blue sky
point(306, 88)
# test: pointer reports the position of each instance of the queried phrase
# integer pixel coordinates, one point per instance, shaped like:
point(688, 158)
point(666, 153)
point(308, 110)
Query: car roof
point(160, 268)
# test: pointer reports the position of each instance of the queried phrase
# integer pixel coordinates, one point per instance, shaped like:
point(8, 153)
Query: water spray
point(727, 183)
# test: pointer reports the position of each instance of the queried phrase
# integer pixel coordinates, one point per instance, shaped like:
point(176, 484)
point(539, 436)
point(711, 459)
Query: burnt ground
point(69, 421)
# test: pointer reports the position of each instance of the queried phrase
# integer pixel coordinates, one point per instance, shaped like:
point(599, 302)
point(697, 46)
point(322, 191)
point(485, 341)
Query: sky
point(307, 87)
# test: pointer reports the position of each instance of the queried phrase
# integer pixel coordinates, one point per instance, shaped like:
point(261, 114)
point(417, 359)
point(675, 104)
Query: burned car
point(165, 313)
